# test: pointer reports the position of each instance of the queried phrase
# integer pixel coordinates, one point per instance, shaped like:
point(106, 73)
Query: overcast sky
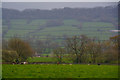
point(51, 5)
point(59, 0)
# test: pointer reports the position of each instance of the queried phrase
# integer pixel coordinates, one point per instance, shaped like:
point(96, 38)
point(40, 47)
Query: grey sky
point(51, 5)
point(59, 0)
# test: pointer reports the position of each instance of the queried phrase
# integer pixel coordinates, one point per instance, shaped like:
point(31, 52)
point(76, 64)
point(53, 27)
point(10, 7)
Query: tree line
point(81, 49)
point(78, 49)
point(105, 14)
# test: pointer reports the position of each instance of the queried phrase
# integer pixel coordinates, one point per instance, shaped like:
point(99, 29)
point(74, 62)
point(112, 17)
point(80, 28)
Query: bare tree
point(59, 53)
point(40, 46)
point(94, 49)
point(76, 45)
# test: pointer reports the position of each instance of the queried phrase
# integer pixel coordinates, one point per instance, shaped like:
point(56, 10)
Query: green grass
point(97, 24)
point(25, 27)
point(45, 54)
point(48, 59)
point(70, 22)
point(17, 32)
point(59, 71)
point(42, 59)
point(59, 31)
point(60, 28)
point(18, 21)
point(38, 22)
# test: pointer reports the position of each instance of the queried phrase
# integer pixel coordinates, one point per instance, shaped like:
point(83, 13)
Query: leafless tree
point(76, 46)
point(59, 53)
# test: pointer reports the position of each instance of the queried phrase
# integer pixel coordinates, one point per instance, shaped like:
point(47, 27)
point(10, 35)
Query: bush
point(9, 56)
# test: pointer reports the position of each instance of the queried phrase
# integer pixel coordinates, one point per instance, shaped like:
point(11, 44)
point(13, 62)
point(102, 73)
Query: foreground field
point(59, 71)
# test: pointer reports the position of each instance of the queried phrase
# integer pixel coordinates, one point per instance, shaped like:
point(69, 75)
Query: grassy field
point(21, 27)
point(42, 59)
point(48, 59)
point(59, 71)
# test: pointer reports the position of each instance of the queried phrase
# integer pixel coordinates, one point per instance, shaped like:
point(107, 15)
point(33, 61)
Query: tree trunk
point(77, 60)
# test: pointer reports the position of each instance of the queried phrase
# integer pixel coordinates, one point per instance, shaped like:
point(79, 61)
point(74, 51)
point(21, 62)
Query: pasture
point(59, 71)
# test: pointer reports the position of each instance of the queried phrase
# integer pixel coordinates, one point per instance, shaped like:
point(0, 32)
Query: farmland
point(60, 43)
point(60, 71)
point(22, 28)
point(37, 30)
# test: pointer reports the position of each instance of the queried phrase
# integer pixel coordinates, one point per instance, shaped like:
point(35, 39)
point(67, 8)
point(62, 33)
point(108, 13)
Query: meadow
point(59, 71)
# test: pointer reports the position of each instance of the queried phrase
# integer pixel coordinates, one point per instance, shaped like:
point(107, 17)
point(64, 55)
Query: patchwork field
point(59, 71)
point(36, 29)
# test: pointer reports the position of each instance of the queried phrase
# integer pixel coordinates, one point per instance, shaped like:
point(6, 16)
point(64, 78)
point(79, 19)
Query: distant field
point(59, 31)
point(59, 71)
point(35, 28)
point(47, 59)
point(42, 59)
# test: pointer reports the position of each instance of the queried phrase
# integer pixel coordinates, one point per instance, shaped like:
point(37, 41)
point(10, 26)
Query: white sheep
point(24, 63)
point(70, 64)
point(88, 64)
